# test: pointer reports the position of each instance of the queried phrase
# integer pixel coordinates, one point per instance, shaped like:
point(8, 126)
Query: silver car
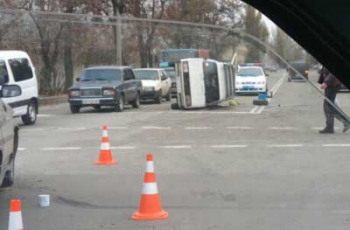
point(8, 136)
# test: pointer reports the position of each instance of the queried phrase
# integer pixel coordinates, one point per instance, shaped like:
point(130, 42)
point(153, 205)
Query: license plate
point(248, 87)
point(91, 101)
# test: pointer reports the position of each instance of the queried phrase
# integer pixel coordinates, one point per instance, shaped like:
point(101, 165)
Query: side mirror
point(77, 79)
point(163, 78)
point(10, 91)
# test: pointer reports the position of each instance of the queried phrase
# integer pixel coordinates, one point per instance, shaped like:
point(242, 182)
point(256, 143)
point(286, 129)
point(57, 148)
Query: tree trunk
point(68, 60)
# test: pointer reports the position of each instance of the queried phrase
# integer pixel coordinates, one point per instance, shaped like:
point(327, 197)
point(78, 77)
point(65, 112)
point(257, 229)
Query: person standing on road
point(331, 85)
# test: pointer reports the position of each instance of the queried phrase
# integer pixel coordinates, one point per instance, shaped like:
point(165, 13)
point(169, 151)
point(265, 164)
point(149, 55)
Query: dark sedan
point(105, 86)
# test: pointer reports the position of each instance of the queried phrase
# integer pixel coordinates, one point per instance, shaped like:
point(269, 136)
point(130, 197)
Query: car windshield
point(146, 74)
point(250, 72)
point(102, 75)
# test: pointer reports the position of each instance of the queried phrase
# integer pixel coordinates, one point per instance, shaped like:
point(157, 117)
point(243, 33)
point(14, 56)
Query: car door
point(126, 85)
point(164, 83)
point(6, 132)
point(22, 75)
point(133, 85)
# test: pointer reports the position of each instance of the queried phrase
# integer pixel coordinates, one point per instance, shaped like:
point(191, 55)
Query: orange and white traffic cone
point(150, 205)
point(15, 219)
point(105, 157)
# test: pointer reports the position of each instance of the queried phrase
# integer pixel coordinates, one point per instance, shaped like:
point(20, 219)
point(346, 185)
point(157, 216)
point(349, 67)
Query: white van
point(16, 68)
point(201, 83)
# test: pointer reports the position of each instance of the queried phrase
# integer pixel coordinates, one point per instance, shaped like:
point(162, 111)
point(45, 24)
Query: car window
point(101, 75)
point(125, 75)
point(250, 72)
point(21, 69)
point(130, 75)
point(3, 72)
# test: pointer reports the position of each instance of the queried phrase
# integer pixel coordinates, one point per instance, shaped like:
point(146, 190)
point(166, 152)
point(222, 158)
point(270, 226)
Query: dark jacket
point(328, 78)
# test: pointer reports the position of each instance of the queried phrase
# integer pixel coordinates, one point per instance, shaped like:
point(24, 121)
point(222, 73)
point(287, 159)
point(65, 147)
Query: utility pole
point(119, 40)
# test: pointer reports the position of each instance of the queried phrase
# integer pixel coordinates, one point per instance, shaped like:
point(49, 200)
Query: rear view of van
point(16, 68)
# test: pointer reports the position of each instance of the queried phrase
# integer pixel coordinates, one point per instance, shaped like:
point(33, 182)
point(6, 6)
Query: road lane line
point(283, 128)
point(228, 146)
point(116, 128)
point(71, 128)
point(31, 130)
point(197, 128)
point(45, 115)
point(210, 112)
point(261, 109)
point(242, 128)
point(176, 147)
point(156, 128)
point(286, 146)
point(60, 148)
point(254, 109)
point(21, 149)
point(336, 145)
point(320, 128)
point(123, 147)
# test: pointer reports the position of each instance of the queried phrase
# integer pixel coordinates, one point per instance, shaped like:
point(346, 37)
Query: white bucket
point(44, 200)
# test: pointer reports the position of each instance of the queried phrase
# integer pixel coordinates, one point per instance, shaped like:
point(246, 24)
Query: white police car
point(251, 79)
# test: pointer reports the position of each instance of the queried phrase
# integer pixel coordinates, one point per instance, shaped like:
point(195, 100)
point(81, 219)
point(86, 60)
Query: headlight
point(108, 92)
point(148, 88)
point(74, 93)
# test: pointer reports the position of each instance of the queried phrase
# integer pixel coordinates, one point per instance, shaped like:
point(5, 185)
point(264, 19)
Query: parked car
point(17, 68)
point(156, 84)
point(251, 79)
point(8, 135)
point(303, 71)
point(171, 73)
point(111, 86)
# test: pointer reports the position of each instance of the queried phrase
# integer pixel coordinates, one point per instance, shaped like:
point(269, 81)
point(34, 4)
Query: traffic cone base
point(150, 216)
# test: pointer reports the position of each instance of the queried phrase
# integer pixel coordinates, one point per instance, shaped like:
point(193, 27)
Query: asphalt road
point(238, 167)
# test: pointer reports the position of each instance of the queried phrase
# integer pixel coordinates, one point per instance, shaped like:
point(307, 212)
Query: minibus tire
point(30, 117)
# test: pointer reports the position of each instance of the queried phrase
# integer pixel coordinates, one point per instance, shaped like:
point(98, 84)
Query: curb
point(44, 101)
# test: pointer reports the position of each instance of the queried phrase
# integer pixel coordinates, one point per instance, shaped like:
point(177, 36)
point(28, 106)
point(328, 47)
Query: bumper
point(93, 101)
point(254, 89)
point(149, 94)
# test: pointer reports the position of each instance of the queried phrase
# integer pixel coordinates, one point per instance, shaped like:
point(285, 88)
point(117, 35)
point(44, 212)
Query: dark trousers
point(329, 111)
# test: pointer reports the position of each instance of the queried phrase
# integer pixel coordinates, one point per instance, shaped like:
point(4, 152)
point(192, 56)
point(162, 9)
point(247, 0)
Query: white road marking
point(31, 130)
point(21, 149)
point(283, 128)
point(261, 109)
point(45, 115)
point(71, 128)
point(228, 146)
point(320, 128)
point(254, 109)
point(236, 127)
point(60, 148)
point(210, 112)
point(116, 128)
point(123, 147)
point(197, 128)
point(177, 147)
point(336, 145)
point(286, 146)
point(156, 128)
